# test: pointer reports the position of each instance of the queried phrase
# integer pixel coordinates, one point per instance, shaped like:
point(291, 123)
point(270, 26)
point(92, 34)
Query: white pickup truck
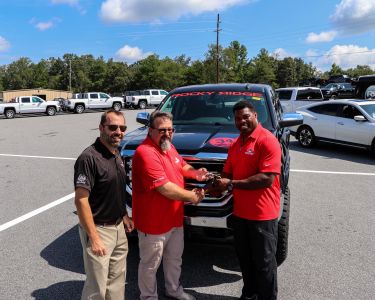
point(93, 100)
point(292, 98)
point(29, 105)
point(145, 98)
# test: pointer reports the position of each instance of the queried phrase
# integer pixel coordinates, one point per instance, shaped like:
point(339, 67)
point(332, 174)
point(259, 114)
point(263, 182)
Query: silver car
point(346, 122)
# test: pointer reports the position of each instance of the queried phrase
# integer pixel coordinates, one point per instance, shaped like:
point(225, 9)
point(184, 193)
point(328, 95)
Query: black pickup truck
point(204, 124)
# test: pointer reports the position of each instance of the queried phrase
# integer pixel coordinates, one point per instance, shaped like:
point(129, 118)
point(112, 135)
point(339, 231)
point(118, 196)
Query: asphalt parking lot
point(331, 243)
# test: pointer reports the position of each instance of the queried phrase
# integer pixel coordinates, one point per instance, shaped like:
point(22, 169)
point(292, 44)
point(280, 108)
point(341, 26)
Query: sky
point(322, 32)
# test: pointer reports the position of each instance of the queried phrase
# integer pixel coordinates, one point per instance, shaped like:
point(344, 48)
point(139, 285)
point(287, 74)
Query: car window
point(155, 93)
point(308, 95)
point(348, 111)
point(163, 93)
point(325, 109)
point(25, 100)
point(146, 92)
point(284, 94)
point(210, 107)
point(370, 109)
point(36, 100)
point(94, 96)
point(104, 96)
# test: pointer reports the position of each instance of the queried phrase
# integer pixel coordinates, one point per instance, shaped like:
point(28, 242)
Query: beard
point(165, 143)
point(113, 139)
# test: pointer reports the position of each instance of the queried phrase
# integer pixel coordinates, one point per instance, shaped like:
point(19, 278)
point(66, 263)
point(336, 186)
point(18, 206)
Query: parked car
point(344, 122)
point(29, 104)
point(292, 98)
point(338, 90)
point(145, 98)
point(93, 100)
point(204, 124)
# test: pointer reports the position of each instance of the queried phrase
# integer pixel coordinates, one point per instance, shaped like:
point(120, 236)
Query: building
point(46, 94)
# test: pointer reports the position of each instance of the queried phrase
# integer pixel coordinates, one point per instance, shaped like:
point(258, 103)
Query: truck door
point(104, 101)
point(154, 97)
point(38, 105)
point(26, 106)
point(94, 100)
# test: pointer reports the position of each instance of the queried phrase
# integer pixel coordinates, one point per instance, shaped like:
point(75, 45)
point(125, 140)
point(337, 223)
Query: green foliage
point(88, 73)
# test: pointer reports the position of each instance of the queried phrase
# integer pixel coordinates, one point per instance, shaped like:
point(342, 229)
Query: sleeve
point(270, 157)
point(84, 172)
point(153, 174)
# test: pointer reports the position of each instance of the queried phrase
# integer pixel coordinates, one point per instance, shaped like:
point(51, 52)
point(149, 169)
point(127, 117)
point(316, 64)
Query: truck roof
point(222, 86)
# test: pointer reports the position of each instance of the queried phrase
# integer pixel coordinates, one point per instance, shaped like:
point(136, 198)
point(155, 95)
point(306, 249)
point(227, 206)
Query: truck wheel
point(283, 230)
point(334, 97)
point(51, 111)
point(142, 104)
point(117, 106)
point(10, 113)
point(79, 109)
point(306, 136)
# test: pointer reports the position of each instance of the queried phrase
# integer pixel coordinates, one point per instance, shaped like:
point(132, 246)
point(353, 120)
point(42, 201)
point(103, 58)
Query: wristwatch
point(230, 186)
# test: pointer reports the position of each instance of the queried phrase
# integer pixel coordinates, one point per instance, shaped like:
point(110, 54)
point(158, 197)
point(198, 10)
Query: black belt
point(109, 223)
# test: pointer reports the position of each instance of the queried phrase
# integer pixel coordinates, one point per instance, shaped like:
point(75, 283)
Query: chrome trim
point(206, 156)
point(206, 221)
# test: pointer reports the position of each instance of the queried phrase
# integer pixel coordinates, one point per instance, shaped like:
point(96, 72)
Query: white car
point(345, 122)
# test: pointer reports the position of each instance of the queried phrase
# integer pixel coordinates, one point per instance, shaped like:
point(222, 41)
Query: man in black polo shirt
point(99, 180)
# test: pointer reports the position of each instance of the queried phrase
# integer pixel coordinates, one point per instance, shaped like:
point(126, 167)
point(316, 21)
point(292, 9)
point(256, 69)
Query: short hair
point(241, 104)
point(159, 114)
point(103, 118)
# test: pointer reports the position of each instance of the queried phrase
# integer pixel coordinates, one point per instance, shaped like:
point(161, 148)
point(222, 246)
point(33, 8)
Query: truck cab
point(291, 98)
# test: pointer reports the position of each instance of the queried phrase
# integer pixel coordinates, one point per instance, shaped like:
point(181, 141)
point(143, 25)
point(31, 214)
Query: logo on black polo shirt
point(82, 179)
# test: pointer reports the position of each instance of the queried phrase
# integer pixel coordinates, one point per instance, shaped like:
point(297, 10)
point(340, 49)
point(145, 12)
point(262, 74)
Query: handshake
point(215, 185)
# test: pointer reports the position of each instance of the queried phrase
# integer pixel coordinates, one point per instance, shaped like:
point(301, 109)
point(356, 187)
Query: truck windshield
point(213, 108)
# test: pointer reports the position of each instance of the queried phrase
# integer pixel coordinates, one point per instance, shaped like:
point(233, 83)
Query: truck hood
point(188, 139)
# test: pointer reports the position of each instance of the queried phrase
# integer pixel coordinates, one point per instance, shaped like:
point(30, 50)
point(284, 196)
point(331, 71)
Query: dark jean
point(256, 244)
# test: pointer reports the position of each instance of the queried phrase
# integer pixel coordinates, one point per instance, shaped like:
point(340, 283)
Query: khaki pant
point(105, 274)
point(152, 250)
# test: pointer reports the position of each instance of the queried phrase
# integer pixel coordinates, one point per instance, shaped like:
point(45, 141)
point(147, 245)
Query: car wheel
point(373, 147)
point(51, 111)
point(116, 106)
point(283, 230)
point(10, 113)
point(79, 109)
point(334, 97)
point(306, 137)
point(142, 104)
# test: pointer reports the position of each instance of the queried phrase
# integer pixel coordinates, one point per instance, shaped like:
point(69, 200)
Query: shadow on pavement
point(204, 265)
point(360, 156)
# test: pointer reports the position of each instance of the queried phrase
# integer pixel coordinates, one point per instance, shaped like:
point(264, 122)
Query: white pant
point(152, 250)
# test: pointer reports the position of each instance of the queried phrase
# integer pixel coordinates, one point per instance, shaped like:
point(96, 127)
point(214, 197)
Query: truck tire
point(283, 230)
point(117, 106)
point(80, 108)
point(142, 104)
point(10, 114)
point(51, 111)
point(333, 97)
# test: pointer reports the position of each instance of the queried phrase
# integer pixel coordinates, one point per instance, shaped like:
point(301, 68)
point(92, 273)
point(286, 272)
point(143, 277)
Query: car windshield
point(370, 109)
point(330, 85)
point(213, 108)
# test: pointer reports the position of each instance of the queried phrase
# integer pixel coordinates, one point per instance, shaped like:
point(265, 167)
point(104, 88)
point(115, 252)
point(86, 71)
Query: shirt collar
point(255, 134)
point(101, 148)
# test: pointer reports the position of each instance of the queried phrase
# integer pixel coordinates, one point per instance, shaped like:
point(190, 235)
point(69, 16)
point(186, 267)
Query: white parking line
point(332, 172)
point(35, 212)
point(34, 156)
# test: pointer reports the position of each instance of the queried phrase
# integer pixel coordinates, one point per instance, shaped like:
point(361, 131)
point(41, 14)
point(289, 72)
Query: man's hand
point(97, 247)
point(217, 187)
point(128, 223)
point(199, 195)
point(201, 174)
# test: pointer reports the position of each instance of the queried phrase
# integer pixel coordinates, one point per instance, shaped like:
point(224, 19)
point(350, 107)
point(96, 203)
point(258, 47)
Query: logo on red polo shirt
point(223, 142)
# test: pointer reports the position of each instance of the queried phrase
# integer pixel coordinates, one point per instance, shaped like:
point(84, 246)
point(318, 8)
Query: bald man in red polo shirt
point(252, 172)
point(158, 173)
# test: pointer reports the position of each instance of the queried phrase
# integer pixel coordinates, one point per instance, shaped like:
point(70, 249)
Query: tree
point(40, 74)
point(286, 72)
point(335, 70)
point(261, 69)
point(235, 61)
point(19, 74)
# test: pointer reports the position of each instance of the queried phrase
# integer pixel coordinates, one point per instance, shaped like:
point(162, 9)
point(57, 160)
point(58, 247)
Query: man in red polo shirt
point(252, 172)
point(158, 173)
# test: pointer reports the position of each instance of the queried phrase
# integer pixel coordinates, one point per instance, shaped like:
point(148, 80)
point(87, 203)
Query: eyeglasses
point(164, 130)
point(114, 127)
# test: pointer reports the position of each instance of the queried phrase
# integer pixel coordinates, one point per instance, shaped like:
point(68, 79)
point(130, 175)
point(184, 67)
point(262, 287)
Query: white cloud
point(354, 16)
point(325, 36)
point(345, 56)
point(281, 53)
point(4, 44)
point(44, 25)
point(131, 54)
point(154, 11)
